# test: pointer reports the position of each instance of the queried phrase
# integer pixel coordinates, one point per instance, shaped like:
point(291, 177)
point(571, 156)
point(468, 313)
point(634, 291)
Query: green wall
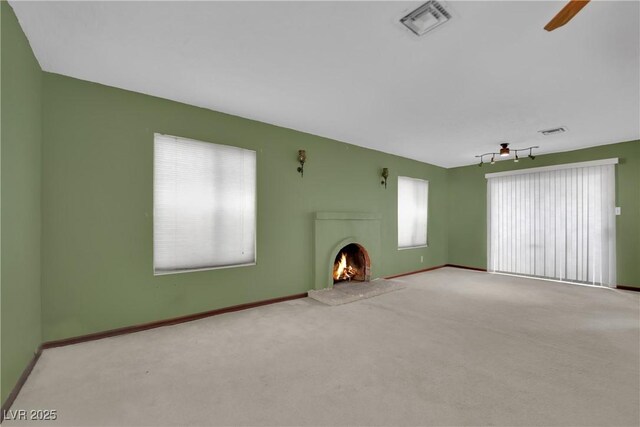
point(467, 206)
point(20, 174)
point(97, 208)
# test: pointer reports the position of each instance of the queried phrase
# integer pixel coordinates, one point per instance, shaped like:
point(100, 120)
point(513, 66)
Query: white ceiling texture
point(350, 71)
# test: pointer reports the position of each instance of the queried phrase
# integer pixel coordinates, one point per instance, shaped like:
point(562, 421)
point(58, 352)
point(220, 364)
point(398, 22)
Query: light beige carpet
point(453, 348)
point(346, 292)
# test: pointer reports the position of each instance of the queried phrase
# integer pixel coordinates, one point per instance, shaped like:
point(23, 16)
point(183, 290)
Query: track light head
point(493, 160)
point(504, 150)
point(517, 159)
point(532, 157)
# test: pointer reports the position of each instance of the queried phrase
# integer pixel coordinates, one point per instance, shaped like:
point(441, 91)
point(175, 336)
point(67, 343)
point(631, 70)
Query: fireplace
point(352, 263)
point(338, 232)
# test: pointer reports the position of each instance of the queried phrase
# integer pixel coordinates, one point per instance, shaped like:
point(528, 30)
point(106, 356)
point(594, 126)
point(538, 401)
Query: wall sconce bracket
point(384, 175)
point(302, 158)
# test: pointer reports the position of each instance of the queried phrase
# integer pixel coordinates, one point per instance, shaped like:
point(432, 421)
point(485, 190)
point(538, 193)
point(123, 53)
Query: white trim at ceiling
point(612, 161)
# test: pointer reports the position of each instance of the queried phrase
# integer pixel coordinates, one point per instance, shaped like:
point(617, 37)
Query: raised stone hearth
point(346, 292)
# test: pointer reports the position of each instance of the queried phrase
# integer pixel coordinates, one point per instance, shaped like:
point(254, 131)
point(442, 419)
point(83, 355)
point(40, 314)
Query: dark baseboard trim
point(23, 378)
point(416, 272)
point(435, 268)
point(173, 321)
point(202, 315)
point(628, 288)
point(465, 267)
point(127, 330)
point(166, 322)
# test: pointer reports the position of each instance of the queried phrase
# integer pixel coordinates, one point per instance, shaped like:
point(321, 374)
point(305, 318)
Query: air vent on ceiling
point(553, 131)
point(425, 18)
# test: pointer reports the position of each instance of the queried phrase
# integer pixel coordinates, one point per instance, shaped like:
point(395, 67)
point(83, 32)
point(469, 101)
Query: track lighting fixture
point(505, 151)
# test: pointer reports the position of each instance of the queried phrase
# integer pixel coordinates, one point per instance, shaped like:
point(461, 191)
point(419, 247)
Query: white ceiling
point(350, 71)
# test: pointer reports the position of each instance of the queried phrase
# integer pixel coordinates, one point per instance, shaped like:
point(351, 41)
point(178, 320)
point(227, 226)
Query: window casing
point(413, 200)
point(204, 205)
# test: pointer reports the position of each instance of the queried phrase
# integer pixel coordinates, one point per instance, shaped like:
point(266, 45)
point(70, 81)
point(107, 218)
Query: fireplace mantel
point(348, 216)
point(333, 230)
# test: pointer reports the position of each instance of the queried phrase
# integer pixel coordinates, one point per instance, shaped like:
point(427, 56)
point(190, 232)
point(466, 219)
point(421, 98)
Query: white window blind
point(556, 223)
point(412, 212)
point(204, 205)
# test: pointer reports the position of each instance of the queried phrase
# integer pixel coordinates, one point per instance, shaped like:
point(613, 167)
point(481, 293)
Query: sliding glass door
point(554, 222)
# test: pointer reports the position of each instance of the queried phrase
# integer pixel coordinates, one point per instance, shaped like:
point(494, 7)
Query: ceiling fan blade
point(568, 11)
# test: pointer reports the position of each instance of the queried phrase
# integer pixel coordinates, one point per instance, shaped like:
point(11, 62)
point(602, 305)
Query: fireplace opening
point(351, 264)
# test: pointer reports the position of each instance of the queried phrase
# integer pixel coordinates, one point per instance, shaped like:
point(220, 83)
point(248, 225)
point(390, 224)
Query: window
point(413, 196)
point(555, 222)
point(204, 205)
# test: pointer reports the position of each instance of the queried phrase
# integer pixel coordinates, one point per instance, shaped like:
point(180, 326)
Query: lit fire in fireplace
point(343, 271)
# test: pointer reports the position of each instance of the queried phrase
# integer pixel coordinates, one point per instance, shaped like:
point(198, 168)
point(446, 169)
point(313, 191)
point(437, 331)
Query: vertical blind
point(557, 224)
point(204, 205)
point(412, 212)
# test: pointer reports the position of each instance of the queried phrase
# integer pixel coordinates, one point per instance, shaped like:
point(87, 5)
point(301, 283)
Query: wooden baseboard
point(165, 322)
point(182, 319)
point(6, 405)
point(628, 288)
point(465, 267)
point(416, 272)
point(127, 330)
point(435, 268)
point(202, 315)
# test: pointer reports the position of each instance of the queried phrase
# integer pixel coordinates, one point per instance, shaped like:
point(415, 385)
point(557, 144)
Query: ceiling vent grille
point(554, 131)
point(425, 18)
